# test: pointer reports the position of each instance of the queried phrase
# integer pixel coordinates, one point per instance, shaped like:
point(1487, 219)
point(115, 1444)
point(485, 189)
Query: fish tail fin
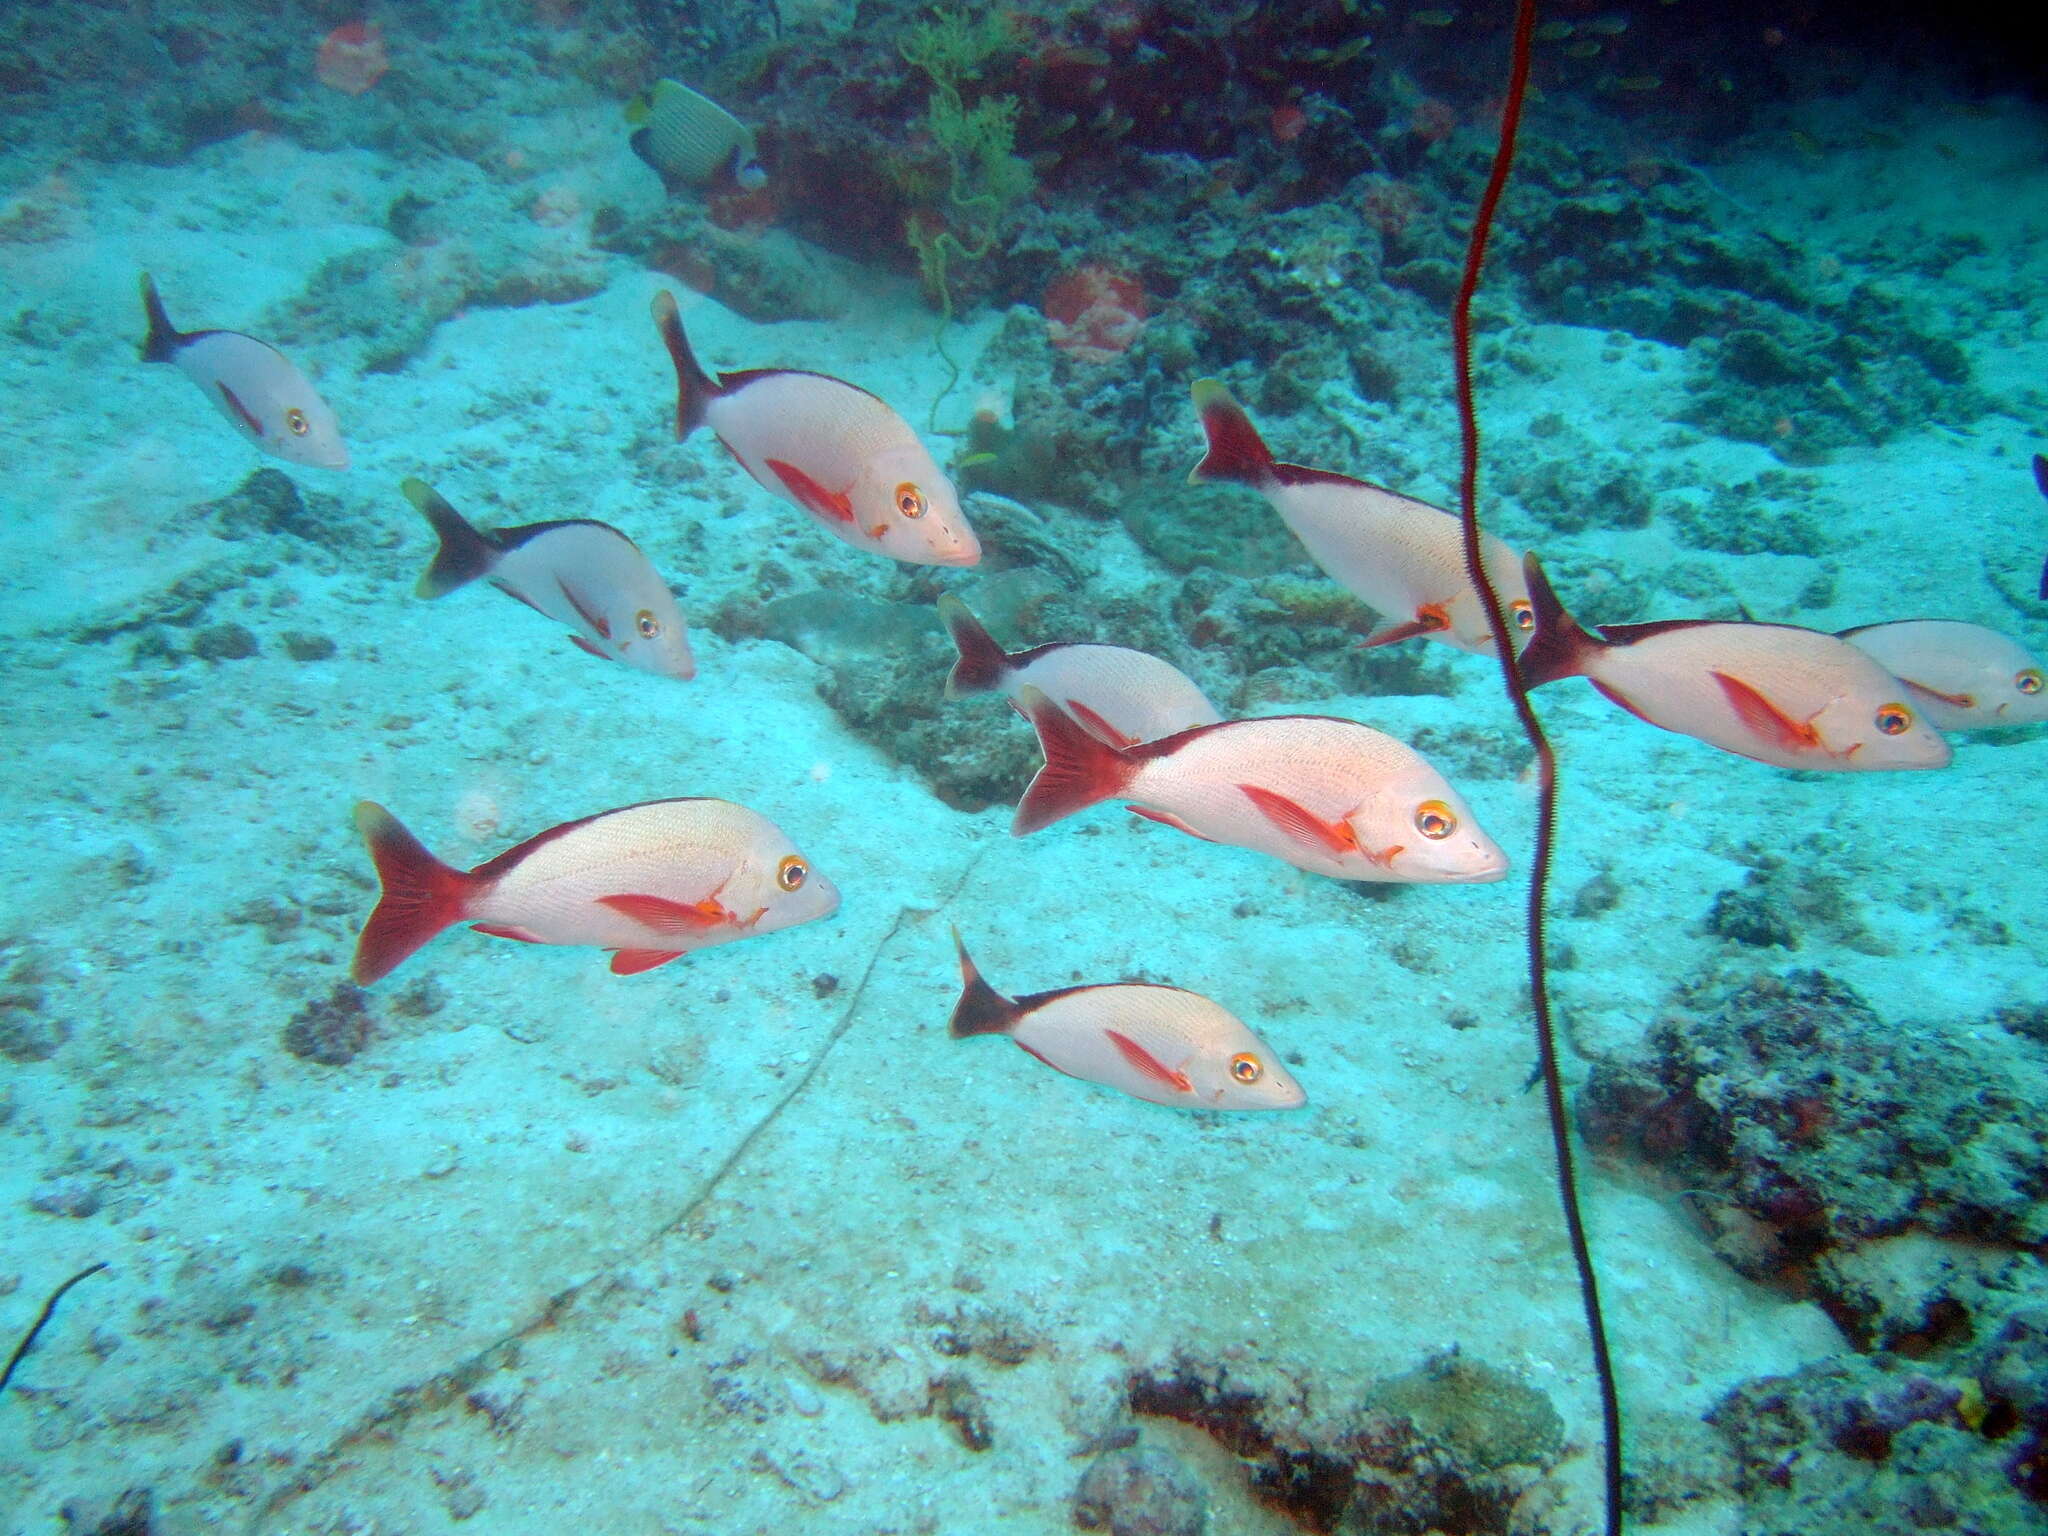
point(1559, 646)
point(982, 1010)
point(982, 662)
point(1236, 451)
point(161, 344)
point(694, 387)
point(420, 895)
point(1079, 770)
point(465, 553)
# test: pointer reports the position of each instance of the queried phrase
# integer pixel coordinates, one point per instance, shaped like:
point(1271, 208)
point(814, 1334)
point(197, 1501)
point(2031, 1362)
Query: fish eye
point(2028, 681)
point(1435, 820)
point(296, 420)
point(1246, 1068)
point(792, 873)
point(1524, 613)
point(1893, 719)
point(648, 625)
point(910, 500)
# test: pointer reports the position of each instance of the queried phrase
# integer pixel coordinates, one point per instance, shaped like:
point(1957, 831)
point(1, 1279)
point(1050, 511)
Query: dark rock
point(27, 1032)
point(1749, 916)
point(301, 646)
point(224, 642)
point(70, 1196)
point(331, 1030)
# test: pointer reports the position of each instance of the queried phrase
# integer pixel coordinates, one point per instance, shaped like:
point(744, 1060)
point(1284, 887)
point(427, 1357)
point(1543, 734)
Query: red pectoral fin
point(1167, 819)
point(599, 624)
point(1096, 726)
point(665, 916)
point(833, 506)
point(1303, 825)
point(631, 962)
point(1953, 700)
point(1148, 1064)
point(1430, 619)
point(583, 643)
point(1765, 720)
point(247, 416)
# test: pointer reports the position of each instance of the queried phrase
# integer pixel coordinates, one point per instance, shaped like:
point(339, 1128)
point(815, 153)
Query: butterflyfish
point(690, 141)
point(1118, 695)
point(1963, 677)
point(1793, 697)
point(828, 447)
point(1404, 557)
point(584, 574)
point(649, 882)
point(1326, 795)
point(1160, 1044)
point(252, 384)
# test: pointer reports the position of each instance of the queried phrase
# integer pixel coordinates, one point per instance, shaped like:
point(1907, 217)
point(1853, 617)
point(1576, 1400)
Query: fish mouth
point(967, 553)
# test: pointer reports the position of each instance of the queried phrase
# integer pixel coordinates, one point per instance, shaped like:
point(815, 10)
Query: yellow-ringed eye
point(1247, 1068)
point(648, 625)
point(910, 500)
point(1894, 719)
point(792, 873)
point(296, 420)
point(1435, 820)
point(2028, 681)
point(1524, 614)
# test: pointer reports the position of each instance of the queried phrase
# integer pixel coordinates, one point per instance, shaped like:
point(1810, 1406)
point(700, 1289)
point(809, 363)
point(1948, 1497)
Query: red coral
point(1094, 311)
point(352, 57)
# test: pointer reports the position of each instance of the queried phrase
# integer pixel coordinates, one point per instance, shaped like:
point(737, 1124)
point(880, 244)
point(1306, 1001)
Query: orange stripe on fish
point(1149, 1064)
point(1429, 619)
point(836, 506)
point(1770, 723)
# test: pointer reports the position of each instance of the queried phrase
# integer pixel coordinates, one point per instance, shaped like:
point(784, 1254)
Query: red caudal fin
point(1078, 771)
point(163, 340)
point(694, 387)
point(982, 662)
point(421, 895)
point(1558, 647)
point(465, 553)
point(1236, 451)
point(982, 1010)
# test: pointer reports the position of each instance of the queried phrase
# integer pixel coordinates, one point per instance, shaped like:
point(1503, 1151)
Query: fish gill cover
point(746, 1241)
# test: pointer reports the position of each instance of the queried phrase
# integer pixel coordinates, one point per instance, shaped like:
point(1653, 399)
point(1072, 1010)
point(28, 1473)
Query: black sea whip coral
point(1546, 818)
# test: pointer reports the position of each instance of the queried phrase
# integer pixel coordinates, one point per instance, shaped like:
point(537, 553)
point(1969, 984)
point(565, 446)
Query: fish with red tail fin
point(827, 447)
point(1119, 695)
point(1402, 556)
point(1791, 697)
point(1160, 1044)
point(581, 573)
point(649, 882)
point(1329, 796)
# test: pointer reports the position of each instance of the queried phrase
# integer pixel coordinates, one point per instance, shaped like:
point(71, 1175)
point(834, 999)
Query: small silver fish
point(584, 574)
point(649, 882)
point(827, 446)
point(1963, 676)
point(1160, 1044)
point(1117, 695)
point(1329, 796)
point(689, 140)
point(1792, 697)
point(252, 384)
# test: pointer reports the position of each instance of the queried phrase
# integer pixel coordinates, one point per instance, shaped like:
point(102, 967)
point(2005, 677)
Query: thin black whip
point(28, 1339)
point(1546, 759)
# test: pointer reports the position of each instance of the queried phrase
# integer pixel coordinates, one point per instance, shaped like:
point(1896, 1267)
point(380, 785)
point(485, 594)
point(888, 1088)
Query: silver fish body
point(1160, 1044)
point(1329, 796)
point(649, 882)
point(826, 446)
point(1117, 694)
point(583, 574)
point(1964, 677)
point(255, 387)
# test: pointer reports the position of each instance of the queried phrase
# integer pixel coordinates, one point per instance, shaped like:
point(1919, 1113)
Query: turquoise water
point(745, 1241)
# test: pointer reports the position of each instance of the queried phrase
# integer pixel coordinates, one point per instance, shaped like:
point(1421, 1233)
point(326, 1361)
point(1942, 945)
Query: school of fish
point(653, 882)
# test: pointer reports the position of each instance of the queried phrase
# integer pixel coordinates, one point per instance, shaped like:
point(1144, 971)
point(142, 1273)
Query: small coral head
point(352, 57)
point(1095, 311)
point(1288, 123)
